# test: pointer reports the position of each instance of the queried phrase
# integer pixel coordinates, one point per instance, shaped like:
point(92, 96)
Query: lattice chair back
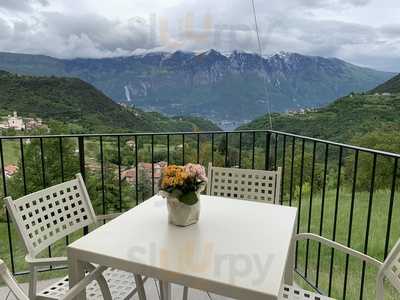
point(391, 270)
point(246, 184)
point(46, 216)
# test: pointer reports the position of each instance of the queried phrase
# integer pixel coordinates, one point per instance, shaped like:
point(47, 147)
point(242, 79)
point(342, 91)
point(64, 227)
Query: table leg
point(76, 271)
point(165, 290)
point(185, 293)
point(290, 263)
point(140, 287)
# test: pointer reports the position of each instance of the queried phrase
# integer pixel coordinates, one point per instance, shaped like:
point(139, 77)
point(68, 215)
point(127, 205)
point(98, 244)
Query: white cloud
point(365, 32)
point(332, 3)
point(22, 5)
point(5, 29)
point(76, 36)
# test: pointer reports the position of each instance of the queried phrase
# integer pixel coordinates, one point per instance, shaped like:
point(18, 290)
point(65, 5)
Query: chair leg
point(33, 283)
point(140, 287)
point(185, 293)
point(105, 290)
point(165, 289)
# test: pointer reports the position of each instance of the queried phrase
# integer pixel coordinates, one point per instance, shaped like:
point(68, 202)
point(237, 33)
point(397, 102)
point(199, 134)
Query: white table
point(239, 249)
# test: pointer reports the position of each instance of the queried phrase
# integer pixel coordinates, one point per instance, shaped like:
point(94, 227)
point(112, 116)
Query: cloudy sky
point(364, 32)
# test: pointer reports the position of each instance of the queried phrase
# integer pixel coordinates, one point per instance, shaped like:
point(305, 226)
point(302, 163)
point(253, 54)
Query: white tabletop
point(239, 249)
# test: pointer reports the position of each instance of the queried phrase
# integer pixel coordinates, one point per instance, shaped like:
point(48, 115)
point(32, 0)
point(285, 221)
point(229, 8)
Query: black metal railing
point(343, 192)
point(345, 202)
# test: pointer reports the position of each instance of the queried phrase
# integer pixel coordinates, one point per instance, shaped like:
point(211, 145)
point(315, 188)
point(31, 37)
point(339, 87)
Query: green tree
point(382, 140)
point(43, 169)
point(109, 200)
point(144, 187)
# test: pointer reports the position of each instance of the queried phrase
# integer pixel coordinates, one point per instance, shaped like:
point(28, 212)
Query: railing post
point(168, 152)
point(283, 168)
point(81, 149)
point(198, 148)
point(152, 166)
point(369, 213)
point(103, 188)
point(183, 149)
point(300, 198)
point(42, 159)
point(136, 170)
point(226, 149)
point(119, 173)
point(21, 145)
point(81, 145)
point(8, 219)
point(351, 215)
point(390, 212)
point(253, 149)
point(267, 150)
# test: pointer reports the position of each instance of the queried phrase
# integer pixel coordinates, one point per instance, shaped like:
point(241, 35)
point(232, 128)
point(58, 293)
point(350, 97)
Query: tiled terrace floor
point(151, 292)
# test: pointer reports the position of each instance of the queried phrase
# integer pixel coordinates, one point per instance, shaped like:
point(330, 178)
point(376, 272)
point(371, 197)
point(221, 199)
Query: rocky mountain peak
point(176, 59)
point(219, 86)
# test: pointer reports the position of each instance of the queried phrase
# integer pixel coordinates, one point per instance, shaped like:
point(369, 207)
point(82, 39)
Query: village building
point(31, 123)
point(144, 169)
point(18, 123)
point(13, 122)
point(130, 144)
point(10, 170)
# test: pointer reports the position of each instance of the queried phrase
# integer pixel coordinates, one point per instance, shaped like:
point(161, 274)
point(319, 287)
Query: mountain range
point(235, 87)
point(83, 108)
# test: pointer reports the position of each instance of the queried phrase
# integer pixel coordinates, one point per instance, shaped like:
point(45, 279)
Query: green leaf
point(189, 198)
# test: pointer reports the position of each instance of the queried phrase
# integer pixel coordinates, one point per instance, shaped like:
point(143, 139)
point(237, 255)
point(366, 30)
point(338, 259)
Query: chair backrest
point(10, 282)
point(391, 270)
point(46, 216)
point(246, 184)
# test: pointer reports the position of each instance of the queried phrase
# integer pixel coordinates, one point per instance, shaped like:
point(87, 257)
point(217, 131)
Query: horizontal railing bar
point(126, 134)
point(27, 272)
point(347, 146)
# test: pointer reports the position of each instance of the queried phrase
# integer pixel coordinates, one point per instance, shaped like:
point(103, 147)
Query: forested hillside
point(343, 120)
point(79, 104)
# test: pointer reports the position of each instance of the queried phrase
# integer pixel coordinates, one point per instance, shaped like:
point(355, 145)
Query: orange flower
point(173, 176)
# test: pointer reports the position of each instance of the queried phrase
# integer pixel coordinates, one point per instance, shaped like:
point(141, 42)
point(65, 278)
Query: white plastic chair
point(43, 218)
point(389, 269)
point(245, 184)
point(10, 282)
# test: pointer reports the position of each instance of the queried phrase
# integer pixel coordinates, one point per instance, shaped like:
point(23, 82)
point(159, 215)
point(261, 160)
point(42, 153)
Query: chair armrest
point(45, 262)
point(340, 247)
point(10, 282)
point(96, 274)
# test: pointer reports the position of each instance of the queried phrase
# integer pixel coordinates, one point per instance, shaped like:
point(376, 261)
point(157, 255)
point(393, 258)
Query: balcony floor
point(151, 292)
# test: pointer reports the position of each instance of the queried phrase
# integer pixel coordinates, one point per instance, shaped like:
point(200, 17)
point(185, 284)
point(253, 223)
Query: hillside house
point(10, 170)
point(145, 169)
point(18, 123)
point(31, 123)
point(13, 122)
point(130, 144)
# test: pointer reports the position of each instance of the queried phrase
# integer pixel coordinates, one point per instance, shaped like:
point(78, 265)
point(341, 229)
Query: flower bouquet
point(182, 185)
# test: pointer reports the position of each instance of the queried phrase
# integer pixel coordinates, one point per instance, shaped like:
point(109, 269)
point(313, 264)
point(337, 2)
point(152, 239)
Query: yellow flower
point(173, 176)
